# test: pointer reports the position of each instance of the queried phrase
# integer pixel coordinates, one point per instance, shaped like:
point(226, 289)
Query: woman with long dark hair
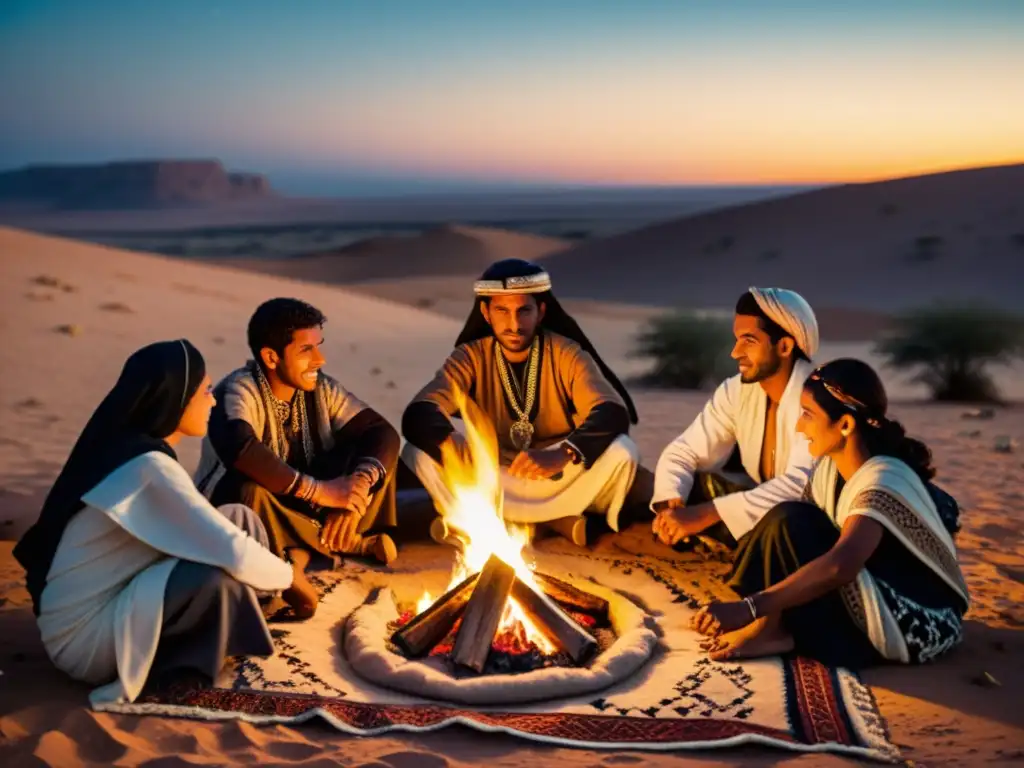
point(864, 569)
point(132, 572)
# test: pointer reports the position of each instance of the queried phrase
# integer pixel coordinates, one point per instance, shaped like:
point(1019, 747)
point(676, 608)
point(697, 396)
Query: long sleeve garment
point(574, 403)
point(735, 415)
point(101, 611)
point(240, 436)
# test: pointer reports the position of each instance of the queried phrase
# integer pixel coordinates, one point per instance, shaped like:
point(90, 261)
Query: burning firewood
point(483, 614)
point(559, 628)
point(426, 630)
point(566, 594)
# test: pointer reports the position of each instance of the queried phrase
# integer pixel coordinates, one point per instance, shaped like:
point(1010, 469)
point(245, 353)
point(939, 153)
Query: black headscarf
point(556, 319)
point(144, 407)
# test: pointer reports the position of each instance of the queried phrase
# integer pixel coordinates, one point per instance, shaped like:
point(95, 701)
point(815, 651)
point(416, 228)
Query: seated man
point(756, 412)
point(562, 417)
point(313, 461)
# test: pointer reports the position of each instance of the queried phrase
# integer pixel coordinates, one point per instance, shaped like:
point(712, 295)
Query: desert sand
point(858, 252)
point(881, 246)
point(72, 312)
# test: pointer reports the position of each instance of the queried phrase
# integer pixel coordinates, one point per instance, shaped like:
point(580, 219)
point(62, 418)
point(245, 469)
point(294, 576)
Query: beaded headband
point(539, 283)
point(849, 401)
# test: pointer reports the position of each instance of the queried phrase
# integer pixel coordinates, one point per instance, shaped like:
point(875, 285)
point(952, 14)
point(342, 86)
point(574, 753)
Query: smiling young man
point(755, 412)
point(312, 460)
point(562, 417)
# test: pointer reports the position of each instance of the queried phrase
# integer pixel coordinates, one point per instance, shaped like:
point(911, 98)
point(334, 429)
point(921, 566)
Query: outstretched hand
point(539, 464)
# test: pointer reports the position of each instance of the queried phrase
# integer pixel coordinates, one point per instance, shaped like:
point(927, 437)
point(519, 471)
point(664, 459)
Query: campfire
point(497, 615)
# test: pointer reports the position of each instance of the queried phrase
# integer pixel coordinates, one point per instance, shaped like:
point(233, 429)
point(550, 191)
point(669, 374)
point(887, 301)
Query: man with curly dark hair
point(314, 461)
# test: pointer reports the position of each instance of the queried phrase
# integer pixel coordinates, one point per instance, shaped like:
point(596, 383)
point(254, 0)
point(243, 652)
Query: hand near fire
point(540, 463)
point(341, 531)
point(348, 492)
point(677, 522)
point(346, 498)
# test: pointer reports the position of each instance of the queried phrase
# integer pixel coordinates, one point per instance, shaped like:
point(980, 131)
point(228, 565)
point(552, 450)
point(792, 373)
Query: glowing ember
point(474, 514)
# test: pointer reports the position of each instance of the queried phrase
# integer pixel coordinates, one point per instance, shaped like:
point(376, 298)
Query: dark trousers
point(209, 615)
point(791, 535)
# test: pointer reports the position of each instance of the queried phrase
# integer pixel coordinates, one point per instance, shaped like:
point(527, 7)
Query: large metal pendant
point(521, 434)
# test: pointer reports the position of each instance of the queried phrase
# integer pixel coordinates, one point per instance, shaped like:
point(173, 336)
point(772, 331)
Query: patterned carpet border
point(825, 710)
point(822, 722)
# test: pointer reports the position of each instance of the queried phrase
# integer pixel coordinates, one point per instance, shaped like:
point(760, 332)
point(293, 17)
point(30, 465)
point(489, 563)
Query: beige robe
point(569, 385)
point(101, 612)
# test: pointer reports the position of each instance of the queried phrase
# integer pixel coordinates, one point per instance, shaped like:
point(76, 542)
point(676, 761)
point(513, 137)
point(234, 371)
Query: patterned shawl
point(889, 492)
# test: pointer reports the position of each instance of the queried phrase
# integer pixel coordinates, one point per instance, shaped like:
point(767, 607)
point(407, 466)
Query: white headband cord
point(184, 389)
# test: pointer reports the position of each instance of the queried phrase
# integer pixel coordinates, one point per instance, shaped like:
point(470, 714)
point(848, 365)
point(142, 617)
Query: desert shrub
point(575, 234)
point(688, 351)
point(926, 248)
point(950, 346)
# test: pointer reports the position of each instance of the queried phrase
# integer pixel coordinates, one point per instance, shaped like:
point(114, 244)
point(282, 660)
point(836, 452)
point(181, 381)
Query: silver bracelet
point(307, 489)
point(749, 600)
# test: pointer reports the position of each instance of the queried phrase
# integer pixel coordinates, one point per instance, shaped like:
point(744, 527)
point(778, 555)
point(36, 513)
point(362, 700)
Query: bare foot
point(301, 595)
point(757, 639)
point(379, 546)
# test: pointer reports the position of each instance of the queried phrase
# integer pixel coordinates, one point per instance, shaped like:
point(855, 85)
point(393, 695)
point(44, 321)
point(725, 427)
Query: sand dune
point(448, 250)
point(881, 246)
point(858, 252)
point(64, 339)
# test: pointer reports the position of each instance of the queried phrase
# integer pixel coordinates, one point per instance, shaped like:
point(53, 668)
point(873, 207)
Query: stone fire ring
point(366, 649)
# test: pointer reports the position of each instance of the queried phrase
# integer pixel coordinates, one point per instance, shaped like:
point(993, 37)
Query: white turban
point(792, 313)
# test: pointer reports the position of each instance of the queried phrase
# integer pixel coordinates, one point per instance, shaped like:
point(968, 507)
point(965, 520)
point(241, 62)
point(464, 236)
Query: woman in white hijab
point(864, 569)
point(132, 573)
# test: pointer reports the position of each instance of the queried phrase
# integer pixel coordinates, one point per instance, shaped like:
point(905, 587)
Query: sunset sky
point(668, 92)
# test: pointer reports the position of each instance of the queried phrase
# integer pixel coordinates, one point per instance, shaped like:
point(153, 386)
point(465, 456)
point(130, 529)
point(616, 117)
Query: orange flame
point(470, 470)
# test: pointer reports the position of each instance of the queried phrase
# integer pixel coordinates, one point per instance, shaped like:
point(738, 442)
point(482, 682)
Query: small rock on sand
point(1005, 444)
point(985, 680)
point(978, 413)
point(116, 306)
point(69, 330)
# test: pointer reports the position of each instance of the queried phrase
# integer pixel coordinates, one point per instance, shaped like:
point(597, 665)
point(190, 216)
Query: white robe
point(602, 489)
point(889, 492)
point(735, 415)
point(101, 612)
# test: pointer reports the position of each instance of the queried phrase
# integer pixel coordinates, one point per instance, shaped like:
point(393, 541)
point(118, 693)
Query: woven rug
point(679, 700)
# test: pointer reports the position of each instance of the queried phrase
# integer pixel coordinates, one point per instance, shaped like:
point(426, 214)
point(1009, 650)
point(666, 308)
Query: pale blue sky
point(637, 91)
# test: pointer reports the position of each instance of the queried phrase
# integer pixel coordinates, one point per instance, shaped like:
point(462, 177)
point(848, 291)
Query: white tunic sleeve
point(705, 444)
point(153, 498)
point(741, 511)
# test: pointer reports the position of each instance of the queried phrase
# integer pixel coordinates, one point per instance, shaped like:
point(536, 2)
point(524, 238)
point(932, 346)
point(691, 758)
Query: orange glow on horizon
point(659, 122)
